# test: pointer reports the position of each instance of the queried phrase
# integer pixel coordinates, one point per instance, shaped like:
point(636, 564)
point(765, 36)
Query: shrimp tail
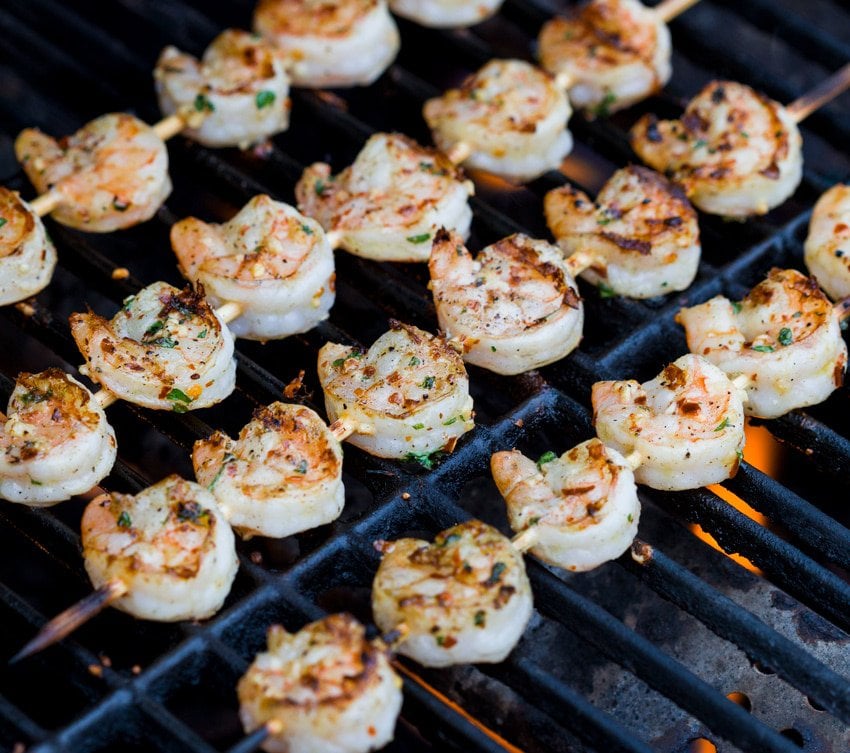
point(68, 621)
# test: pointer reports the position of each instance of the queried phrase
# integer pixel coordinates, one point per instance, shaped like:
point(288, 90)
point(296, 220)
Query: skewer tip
point(105, 398)
point(459, 152)
point(525, 540)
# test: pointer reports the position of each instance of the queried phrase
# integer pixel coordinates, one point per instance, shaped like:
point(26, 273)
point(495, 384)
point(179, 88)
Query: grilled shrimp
point(446, 13)
point(687, 424)
point(169, 545)
point(165, 349)
point(271, 260)
point(581, 510)
point(331, 42)
point(410, 390)
point(55, 441)
point(388, 203)
point(111, 174)
point(283, 475)
point(512, 116)
point(785, 336)
point(641, 234)
point(734, 151)
point(615, 53)
point(514, 308)
point(240, 86)
point(330, 689)
point(827, 249)
point(463, 599)
point(27, 255)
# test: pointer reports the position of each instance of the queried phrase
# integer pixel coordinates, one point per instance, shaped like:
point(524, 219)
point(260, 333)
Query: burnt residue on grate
point(647, 654)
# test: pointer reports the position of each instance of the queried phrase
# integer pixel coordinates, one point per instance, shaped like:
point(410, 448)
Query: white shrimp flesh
point(827, 248)
point(281, 476)
point(387, 205)
point(641, 235)
point(409, 390)
point(735, 152)
point(443, 14)
point(330, 42)
point(239, 89)
point(510, 114)
point(27, 255)
point(614, 52)
point(330, 689)
point(685, 427)
point(270, 259)
point(55, 441)
point(164, 349)
point(515, 307)
point(169, 545)
point(784, 336)
point(111, 174)
point(465, 598)
point(581, 509)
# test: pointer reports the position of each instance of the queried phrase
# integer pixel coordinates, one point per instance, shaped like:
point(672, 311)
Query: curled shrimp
point(270, 259)
point(464, 598)
point(111, 174)
point(283, 475)
point(27, 255)
point(240, 87)
point(827, 249)
point(514, 308)
point(55, 441)
point(165, 349)
point(169, 545)
point(641, 235)
point(326, 687)
point(686, 426)
point(580, 509)
point(734, 151)
point(614, 52)
point(389, 202)
point(784, 336)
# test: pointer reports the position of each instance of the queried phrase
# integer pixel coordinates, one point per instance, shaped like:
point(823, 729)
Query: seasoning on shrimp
point(446, 13)
point(27, 255)
point(827, 249)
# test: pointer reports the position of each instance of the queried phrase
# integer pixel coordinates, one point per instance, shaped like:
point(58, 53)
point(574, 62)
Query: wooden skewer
point(69, 620)
point(827, 90)
point(525, 540)
point(170, 126)
point(667, 10)
point(459, 152)
point(46, 203)
point(344, 427)
point(227, 313)
point(251, 742)
point(634, 459)
point(579, 261)
point(742, 381)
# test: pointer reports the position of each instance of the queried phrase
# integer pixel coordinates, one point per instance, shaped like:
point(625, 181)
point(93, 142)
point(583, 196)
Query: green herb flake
point(605, 291)
point(740, 454)
point(264, 98)
point(154, 328)
point(700, 143)
point(319, 187)
point(418, 426)
point(631, 518)
point(441, 639)
point(35, 396)
point(723, 424)
point(3, 221)
point(452, 538)
point(34, 482)
point(736, 307)
point(414, 361)
point(201, 335)
point(533, 521)
point(124, 520)
point(603, 109)
point(428, 382)
point(785, 336)
point(495, 574)
point(604, 220)
point(128, 302)
point(307, 229)
point(192, 512)
point(339, 363)
point(452, 420)
point(425, 459)
point(419, 238)
point(227, 458)
point(796, 314)
point(179, 400)
point(165, 342)
point(763, 348)
point(302, 467)
point(493, 348)
point(546, 457)
point(480, 618)
point(202, 103)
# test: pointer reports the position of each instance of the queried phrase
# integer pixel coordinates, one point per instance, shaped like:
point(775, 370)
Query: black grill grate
point(632, 658)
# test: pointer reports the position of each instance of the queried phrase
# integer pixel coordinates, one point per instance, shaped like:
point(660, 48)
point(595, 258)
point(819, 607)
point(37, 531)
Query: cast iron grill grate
point(630, 657)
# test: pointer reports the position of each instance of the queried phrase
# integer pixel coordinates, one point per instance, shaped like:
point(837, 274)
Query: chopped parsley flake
point(606, 291)
point(450, 539)
point(201, 335)
point(414, 361)
point(425, 459)
point(179, 400)
point(227, 458)
point(165, 342)
point(723, 424)
point(127, 301)
point(418, 426)
point(319, 187)
point(740, 454)
point(3, 221)
point(785, 336)
point(700, 143)
point(495, 574)
point(493, 348)
point(34, 482)
point(763, 348)
point(154, 328)
point(450, 421)
point(302, 467)
point(202, 103)
point(307, 229)
point(264, 99)
point(603, 109)
point(546, 457)
point(631, 518)
point(428, 382)
point(418, 238)
point(124, 520)
point(480, 618)
point(736, 306)
point(604, 220)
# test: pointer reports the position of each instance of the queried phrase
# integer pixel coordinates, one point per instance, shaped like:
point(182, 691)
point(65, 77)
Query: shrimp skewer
point(240, 85)
point(446, 13)
point(27, 255)
point(274, 267)
point(166, 349)
point(408, 395)
point(509, 118)
point(827, 248)
point(324, 688)
point(330, 42)
point(513, 308)
point(575, 512)
point(165, 554)
point(640, 239)
point(390, 201)
point(55, 441)
point(784, 338)
point(282, 476)
point(463, 598)
point(685, 427)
